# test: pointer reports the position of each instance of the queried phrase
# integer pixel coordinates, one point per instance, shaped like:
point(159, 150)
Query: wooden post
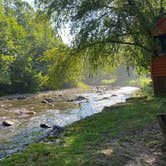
point(162, 121)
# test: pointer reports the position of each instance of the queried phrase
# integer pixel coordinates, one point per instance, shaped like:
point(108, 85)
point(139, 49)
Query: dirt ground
point(136, 148)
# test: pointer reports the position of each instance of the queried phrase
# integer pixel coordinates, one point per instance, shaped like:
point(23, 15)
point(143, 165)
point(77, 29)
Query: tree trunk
point(162, 121)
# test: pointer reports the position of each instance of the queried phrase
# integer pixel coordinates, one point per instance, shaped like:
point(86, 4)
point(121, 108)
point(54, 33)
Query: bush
point(144, 83)
point(23, 77)
point(108, 82)
point(5, 89)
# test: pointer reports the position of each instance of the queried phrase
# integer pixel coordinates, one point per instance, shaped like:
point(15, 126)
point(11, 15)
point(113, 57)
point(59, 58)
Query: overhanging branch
point(116, 42)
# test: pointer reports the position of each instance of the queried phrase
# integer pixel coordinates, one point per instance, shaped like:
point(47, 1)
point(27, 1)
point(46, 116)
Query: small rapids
point(26, 129)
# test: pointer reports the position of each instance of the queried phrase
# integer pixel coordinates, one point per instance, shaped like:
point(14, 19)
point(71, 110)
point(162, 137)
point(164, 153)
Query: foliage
point(145, 83)
point(81, 142)
point(64, 69)
point(82, 85)
point(5, 61)
point(32, 55)
point(108, 81)
point(110, 30)
point(23, 77)
point(142, 81)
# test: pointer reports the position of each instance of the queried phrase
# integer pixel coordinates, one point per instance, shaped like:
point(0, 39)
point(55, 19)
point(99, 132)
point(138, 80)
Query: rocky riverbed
point(29, 118)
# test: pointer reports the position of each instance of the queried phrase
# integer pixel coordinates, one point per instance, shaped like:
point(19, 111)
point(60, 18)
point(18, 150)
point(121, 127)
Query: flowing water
point(26, 128)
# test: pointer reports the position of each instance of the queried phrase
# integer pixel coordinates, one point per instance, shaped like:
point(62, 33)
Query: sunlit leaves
point(113, 24)
point(64, 70)
point(26, 38)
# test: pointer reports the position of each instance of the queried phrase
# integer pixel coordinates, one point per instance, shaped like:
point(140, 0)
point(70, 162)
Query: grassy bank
point(107, 138)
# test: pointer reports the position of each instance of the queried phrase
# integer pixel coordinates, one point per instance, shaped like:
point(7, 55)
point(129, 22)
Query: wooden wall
point(158, 74)
point(158, 66)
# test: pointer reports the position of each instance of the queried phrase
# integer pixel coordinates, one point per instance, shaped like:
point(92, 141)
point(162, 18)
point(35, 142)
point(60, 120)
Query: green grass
point(80, 143)
point(82, 85)
point(108, 81)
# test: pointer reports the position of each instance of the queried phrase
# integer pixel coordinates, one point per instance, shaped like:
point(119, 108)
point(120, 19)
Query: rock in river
point(7, 123)
point(45, 125)
point(28, 112)
point(47, 100)
point(44, 101)
point(78, 98)
point(81, 98)
point(21, 97)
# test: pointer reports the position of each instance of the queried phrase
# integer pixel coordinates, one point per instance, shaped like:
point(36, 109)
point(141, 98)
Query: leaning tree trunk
point(162, 121)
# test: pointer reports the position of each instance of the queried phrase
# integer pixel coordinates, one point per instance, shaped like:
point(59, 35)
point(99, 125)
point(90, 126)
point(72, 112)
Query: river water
point(26, 129)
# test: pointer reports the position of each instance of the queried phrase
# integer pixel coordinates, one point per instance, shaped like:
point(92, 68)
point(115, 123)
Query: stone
point(57, 130)
point(44, 101)
point(28, 112)
point(80, 98)
point(45, 125)
point(7, 123)
point(21, 98)
point(47, 100)
point(50, 104)
point(70, 100)
point(113, 95)
point(105, 98)
point(55, 127)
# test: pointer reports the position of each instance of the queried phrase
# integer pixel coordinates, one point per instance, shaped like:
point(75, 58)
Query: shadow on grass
point(122, 134)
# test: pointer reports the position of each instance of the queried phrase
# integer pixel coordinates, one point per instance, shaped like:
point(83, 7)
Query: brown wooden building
point(158, 61)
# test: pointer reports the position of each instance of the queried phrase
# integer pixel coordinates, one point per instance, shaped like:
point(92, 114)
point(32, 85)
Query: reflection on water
point(27, 129)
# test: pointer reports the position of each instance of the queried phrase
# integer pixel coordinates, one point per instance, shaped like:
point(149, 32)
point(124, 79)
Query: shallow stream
point(27, 115)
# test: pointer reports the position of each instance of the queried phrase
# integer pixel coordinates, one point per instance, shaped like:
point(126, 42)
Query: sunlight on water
point(27, 130)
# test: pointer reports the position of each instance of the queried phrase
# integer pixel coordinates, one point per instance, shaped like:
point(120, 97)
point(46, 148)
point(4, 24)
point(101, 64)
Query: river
point(29, 113)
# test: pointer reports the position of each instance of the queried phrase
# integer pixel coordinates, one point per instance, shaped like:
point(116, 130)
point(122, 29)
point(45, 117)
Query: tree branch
point(116, 42)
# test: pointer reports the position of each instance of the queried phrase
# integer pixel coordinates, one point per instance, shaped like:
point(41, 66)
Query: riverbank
point(28, 119)
point(125, 134)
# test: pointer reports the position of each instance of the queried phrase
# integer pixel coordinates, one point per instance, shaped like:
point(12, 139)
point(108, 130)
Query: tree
point(31, 53)
point(23, 77)
point(12, 39)
point(64, 70)
point(110, 29)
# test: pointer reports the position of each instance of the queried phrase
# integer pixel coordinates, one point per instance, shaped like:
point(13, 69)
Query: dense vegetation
point(109, 30)
point(32, 55)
